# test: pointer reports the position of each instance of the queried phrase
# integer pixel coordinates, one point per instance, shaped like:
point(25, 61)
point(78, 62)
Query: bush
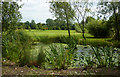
point(71, 42)
point(98, 29)
point(15, 44)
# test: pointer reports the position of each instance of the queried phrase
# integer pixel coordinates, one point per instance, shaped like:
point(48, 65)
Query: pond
point(36, 48)
point(82, 52)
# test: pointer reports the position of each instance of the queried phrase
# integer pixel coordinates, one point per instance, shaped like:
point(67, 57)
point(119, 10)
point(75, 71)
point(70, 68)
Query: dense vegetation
point(49, 46)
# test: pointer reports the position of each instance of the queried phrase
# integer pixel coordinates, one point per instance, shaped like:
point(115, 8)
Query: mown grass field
point(58, 33)
point(54, 33)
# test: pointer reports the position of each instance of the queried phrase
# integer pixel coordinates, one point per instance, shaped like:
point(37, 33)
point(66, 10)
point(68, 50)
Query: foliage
point(33, 24)
point(36, 57)
point(44, 39)
point(82, 9)
point(59, 57)
point(41, 57)
point(77, 28)
point(100, 56)
point(95, 42)
point(88, 19)
point(71, 42)
point(15, 44)
point(107, 9)
point(63, 11)
point(98, 28)
point(50, 22)
point(10, 15)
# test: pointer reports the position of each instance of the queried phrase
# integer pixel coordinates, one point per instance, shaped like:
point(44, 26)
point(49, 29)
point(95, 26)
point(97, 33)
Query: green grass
point(54, 36)
point(54, 33)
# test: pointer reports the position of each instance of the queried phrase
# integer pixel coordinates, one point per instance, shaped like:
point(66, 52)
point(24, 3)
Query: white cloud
point(37, 10)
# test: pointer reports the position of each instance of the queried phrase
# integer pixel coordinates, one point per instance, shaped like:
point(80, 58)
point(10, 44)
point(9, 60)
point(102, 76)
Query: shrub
point(71, 42)
point(15, 44)
point(98, 29)
point(58, 57)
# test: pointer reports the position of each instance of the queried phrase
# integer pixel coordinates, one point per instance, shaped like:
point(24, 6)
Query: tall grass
point(15, 44)
point(58, 57)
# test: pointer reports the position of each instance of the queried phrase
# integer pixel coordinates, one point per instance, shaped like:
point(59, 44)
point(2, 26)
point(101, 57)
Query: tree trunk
point(83, 31)
point(117, 34)
point(116, 27)
point(83, 34)
point(66, 13)
point(68, 28)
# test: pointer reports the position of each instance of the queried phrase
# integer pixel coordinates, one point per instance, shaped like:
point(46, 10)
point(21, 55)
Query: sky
point(37, 10)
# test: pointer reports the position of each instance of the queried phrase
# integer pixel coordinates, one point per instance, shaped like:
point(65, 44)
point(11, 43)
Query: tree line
point(49, 25)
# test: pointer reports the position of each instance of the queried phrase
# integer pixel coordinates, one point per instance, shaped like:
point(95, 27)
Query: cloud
point(37, 10)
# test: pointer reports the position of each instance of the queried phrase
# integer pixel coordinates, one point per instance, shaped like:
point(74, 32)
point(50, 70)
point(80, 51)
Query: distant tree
point(27, 25)
point(33, 24)
point(62, 11)
point(39, 25)
point(59, 22)
point(72, 27)
point(50, 22)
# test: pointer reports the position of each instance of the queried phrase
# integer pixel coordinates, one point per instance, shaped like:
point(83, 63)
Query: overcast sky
point(37, 10)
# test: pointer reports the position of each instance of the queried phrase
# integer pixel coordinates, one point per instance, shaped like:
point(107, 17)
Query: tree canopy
point(63, 11)
point(10, 15)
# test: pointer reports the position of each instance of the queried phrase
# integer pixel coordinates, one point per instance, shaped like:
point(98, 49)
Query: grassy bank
point(57, 36)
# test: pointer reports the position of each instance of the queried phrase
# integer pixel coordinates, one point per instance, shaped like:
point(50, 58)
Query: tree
point(62, 11)
point(82, 9)
point(98, 28)
point(0, 11)
point(27, 24)
point(33, 24)
point(59, 23)
point(111, 8)
point(88, 19)
point(10, 15)
point(50, 22)
point(39, 25)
